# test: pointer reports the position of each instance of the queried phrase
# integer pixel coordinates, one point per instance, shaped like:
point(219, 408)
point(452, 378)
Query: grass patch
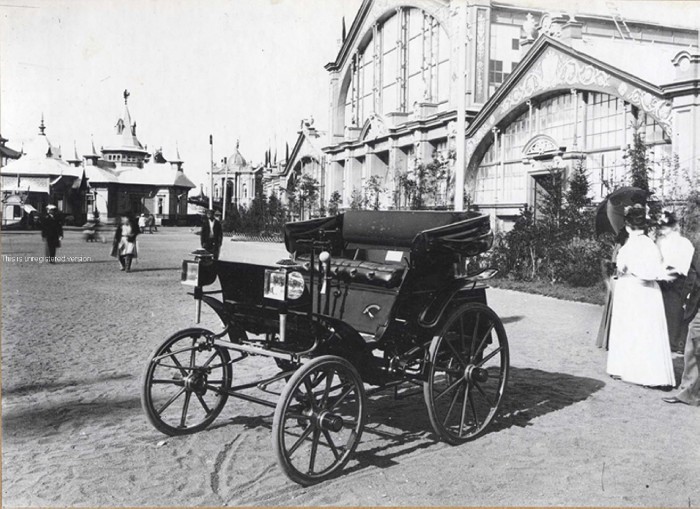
point(593, 294)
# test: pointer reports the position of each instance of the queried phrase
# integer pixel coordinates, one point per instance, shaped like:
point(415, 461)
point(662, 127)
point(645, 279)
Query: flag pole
point(211, 172)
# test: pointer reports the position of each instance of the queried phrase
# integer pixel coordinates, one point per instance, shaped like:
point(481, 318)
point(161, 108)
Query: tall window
point(406, 60)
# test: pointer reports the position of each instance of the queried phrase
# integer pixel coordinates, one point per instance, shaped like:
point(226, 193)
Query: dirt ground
point(76, 337)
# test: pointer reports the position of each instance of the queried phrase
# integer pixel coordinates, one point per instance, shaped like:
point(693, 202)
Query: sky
point(247, 70)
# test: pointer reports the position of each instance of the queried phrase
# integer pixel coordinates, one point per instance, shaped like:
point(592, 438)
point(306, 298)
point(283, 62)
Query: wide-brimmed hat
point(51, 207)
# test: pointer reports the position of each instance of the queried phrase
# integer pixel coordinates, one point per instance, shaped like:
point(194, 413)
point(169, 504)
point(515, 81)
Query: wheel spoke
point(303, 437)
point(185, 407)
point(489, 357)
point(476, 418)
point(179, 365)
point(291, 415)
point(170, 401)
point(324, 398)
point(454, 350)
point(193, 353)
point(331, 444)
point(483, 339)
point(464, 409)
point(486, 397)
point(167, 381)
point(213, 356)
point(449, 410)
point(309, 394)
point(314, 450)
point(341, 398)
point(455, 384)
point(461, 332)
point(476, 330)
point(206, 408)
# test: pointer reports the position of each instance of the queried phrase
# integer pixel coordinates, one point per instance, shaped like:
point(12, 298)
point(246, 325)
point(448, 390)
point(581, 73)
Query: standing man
point(212, 235)
point(677, 253)
point(689, 390)
point(51, 232)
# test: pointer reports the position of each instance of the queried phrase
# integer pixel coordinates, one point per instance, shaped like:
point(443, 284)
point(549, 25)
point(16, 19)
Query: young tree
point(334, 203)
point(307, 193)
point(357, 200)
point(375, 190)
point(636, 154)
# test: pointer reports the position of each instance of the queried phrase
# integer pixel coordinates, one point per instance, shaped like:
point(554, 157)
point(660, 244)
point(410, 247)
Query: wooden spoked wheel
point(185, 383)
point(467, 373)
point(319, 419)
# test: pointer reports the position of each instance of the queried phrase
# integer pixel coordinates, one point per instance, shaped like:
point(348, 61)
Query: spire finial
point(42, 127)
point(126, 95)
point(238, 142)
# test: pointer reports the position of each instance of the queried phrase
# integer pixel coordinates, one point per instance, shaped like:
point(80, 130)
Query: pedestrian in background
point(51, 232)
point(211, 236)
point(677, 253)
point(142, 223)
point(124, 245)
point(639, 352)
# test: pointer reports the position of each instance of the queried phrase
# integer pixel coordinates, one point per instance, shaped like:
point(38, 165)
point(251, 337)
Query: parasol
point(610, 213)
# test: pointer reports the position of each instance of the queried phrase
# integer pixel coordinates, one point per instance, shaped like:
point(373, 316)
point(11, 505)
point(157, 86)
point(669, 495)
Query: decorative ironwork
point(479, 95)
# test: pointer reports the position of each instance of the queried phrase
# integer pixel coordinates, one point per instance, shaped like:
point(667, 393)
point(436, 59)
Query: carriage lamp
point(198, 273)
point(283, 284)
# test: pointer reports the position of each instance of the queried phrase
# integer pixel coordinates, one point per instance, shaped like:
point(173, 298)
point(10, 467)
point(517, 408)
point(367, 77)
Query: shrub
point(580, 262)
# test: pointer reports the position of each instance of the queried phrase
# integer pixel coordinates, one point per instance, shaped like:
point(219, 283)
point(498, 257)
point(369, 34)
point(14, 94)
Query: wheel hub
point(196, 382)
point(475, 374)
point(330, 422)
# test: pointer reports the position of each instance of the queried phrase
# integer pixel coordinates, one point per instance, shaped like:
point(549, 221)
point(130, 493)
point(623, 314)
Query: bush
point(580, 262)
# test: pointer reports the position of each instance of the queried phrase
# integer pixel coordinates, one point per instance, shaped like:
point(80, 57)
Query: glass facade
point(405, 61)
point(596, 124)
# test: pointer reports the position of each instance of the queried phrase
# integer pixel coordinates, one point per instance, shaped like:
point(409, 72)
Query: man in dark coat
point(689, 390)
point(212, 235)
point(51, 232)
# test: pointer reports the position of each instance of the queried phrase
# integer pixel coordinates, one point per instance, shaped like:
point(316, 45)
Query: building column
point(574, 105)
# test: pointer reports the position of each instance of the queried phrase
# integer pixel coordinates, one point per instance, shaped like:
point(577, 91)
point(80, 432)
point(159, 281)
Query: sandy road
point(76, 336)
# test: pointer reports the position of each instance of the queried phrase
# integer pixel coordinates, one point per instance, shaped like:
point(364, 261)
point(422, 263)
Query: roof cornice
point(598, 17)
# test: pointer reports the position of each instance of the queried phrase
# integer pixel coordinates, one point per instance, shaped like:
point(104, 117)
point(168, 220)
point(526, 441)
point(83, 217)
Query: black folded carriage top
point(421, 232)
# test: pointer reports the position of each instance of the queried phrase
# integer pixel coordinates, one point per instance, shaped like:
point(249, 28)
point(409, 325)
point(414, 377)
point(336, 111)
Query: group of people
point(124, 245)
point(652, 306)
point(147, 222)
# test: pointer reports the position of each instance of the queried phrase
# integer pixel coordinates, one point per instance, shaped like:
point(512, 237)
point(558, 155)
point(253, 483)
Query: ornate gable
point(550, 66)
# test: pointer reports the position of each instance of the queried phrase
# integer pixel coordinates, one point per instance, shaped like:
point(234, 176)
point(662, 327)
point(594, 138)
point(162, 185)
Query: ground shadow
point(530, 393)
point(511, 319)
point(21, 390)
point(156, 269)
point(36, 417)
point(399, 427)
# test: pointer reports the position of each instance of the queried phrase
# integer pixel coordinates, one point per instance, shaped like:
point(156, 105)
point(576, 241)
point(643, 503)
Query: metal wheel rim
point(337, 391)
point(460, 404)
point(185, 383)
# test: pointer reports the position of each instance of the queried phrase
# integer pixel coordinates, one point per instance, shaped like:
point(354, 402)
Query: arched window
point(405, 60)
point(595, 123)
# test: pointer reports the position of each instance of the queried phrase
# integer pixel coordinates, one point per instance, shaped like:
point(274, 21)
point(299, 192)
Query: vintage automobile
point(366, 298)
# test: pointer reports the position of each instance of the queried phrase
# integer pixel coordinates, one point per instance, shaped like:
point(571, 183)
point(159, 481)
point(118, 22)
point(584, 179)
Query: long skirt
point(604, 329)
point(638, 350)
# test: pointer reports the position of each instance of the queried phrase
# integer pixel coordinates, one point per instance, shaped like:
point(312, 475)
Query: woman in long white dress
point(639, 351)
